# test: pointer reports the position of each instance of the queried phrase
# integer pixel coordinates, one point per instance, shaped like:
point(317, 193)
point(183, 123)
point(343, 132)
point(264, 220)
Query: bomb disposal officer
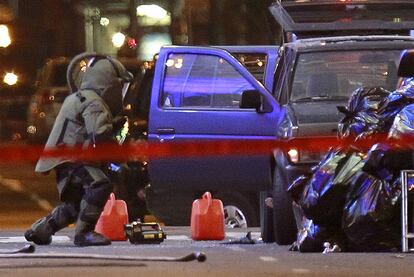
point(86, 119)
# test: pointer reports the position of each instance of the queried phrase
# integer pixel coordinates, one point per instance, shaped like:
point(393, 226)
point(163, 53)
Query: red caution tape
point(146, 150)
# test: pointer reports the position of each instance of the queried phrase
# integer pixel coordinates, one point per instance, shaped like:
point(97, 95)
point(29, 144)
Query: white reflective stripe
point(55, 239)
point(125, 88)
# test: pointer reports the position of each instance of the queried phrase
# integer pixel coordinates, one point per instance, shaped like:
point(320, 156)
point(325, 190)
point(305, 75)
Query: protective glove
point(121, 127)
point(118, 122)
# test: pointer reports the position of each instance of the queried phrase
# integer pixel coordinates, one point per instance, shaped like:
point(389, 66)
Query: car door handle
point(165, 133)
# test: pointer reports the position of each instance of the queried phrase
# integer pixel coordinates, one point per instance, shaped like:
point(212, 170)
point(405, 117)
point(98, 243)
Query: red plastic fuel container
point(113, 218)
point(207, 218)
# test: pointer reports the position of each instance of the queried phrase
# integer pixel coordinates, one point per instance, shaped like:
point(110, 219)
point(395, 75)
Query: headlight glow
point(293, 155)
point(304, 156)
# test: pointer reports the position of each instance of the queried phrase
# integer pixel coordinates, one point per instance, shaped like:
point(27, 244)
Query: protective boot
point(42, 230)
point(84, 231)
point(86, 236)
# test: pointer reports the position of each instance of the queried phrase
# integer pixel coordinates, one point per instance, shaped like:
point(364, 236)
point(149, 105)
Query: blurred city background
point(34, 31)
point(38, 38)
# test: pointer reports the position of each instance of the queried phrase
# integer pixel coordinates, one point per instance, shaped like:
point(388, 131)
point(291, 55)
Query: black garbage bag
point(374, 161)
point(395, 101)
point(371, 218)
point(361, 115)
point(298, 186)
point(295, 190)
point(385, 160)
point(323, 198)
point(311, 237)
point(403, 124)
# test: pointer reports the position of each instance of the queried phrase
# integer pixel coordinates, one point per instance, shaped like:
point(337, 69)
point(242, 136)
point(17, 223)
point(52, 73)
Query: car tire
point(237, 210)
point(266, 219)
point(284, 226)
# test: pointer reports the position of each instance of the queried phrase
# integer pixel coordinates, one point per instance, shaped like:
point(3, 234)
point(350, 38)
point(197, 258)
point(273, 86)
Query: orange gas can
point(113, 218)
point(207, 218)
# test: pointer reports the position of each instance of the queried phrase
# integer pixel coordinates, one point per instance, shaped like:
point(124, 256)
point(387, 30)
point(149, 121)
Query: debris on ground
point(245, 240)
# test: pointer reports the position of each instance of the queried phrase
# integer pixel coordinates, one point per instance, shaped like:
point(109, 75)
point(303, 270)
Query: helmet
point(102, 74)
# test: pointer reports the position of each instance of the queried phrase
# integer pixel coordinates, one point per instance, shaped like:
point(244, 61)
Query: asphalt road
point(222, 259)
point(26, 196)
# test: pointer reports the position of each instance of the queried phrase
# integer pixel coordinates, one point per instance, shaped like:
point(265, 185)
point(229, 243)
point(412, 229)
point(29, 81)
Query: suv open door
point(196, 96)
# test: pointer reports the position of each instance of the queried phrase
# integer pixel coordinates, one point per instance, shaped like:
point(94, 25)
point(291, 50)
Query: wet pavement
point(26, 196)
point(222, 259)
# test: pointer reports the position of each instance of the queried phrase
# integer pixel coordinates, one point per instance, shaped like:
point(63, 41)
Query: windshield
point(335, 75)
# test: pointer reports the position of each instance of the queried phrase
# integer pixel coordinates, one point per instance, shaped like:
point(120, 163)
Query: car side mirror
point(251, 99)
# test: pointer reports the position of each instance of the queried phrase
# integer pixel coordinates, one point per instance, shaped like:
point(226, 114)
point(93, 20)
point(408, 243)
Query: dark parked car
point(207, 94)
point(14, 100)
point(51, 90)
point(316, 75)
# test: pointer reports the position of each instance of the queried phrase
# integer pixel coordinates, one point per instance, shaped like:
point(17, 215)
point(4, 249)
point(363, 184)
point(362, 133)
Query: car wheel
point(284, 226)
point(238, 211)
point(266, 219)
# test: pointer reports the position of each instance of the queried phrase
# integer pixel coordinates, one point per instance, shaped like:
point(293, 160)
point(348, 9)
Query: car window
point(202, 81)
point(254, 63)
point(337, 74)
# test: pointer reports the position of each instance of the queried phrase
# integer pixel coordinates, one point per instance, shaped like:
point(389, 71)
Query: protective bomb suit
point(86, 119)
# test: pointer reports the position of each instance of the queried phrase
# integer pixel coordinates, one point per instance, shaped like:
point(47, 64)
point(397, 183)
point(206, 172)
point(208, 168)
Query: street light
point(104, 21)
point(5, 39)
point(153, 11)
point(118, 39)
point(10, 78)
point(153, 15)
